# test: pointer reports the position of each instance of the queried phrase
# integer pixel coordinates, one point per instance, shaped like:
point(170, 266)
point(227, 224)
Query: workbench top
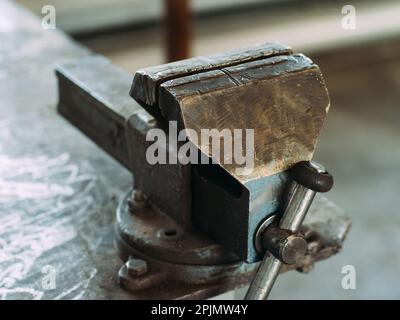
point(58, 191)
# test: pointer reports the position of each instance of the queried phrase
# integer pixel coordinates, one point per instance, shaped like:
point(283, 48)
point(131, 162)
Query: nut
point(136, 267)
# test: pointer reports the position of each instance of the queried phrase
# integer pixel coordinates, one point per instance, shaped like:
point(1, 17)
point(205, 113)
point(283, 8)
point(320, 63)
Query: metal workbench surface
point(58, 191)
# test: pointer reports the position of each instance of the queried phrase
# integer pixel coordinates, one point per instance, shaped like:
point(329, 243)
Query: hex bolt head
point(136, 267)
point(137, 200)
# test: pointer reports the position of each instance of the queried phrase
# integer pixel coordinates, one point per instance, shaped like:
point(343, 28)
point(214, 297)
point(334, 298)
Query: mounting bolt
point(137, 200)
point(136, 267)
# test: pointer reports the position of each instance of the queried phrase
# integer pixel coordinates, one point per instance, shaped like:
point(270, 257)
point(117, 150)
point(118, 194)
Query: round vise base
point(155, 234)
point(165, 261)
point(143, 275)
point(158, 252)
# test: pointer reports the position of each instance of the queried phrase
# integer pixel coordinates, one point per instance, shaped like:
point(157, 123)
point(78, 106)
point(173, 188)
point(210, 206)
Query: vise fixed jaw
point(195, 224)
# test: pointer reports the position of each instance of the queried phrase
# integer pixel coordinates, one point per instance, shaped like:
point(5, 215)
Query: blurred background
point(360, 143)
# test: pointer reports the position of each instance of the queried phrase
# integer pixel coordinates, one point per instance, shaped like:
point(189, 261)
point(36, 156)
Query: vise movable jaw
point(195, 224)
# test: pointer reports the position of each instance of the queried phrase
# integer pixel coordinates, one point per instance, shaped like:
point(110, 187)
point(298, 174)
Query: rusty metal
point(201, 192)
point(156, 234)
point(267, 88)
point(146, 83)
point(122, 133)
point(104, 111)
point(189, 265)
point(282, 97)
point(92, 96)
point(208, 195)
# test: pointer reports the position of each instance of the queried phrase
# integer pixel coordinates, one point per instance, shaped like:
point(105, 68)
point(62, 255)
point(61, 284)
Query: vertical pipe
point(178, 21)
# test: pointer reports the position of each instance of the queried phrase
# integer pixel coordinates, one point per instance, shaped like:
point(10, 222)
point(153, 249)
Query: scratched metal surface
point(58, 191)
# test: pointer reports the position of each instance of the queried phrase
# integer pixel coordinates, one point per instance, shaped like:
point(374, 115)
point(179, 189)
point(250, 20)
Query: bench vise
point(198, 224)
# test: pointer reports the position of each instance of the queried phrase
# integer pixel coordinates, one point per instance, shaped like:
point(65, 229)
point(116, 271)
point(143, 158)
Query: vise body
point(195, 223)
